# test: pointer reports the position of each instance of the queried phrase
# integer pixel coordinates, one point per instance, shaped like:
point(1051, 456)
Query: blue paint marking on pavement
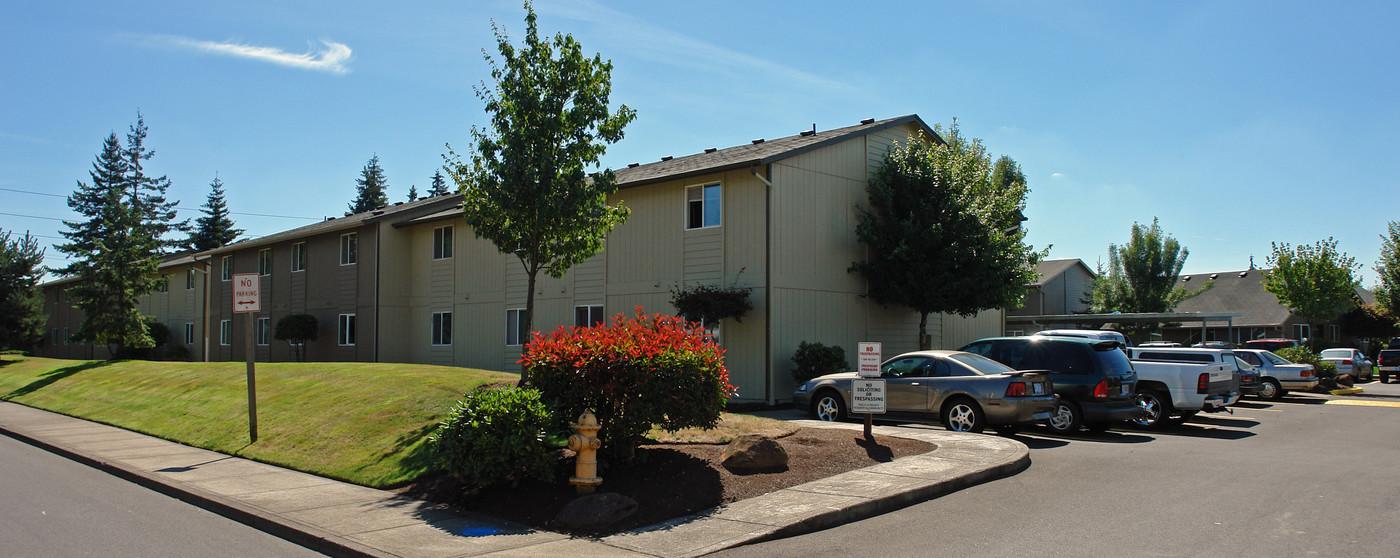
point(480, 531)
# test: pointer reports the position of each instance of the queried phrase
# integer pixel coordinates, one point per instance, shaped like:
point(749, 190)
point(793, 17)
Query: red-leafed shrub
point(635, 373)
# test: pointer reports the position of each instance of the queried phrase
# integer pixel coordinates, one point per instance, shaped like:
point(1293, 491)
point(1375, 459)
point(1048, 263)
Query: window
point(65, 336)
point(1302, 331)
point(189, 333)
point(264, 329)
point(55, 339)
point(163, 286)
point(347, 248)
point(347, 330)
point(515, 327)
point(442, 243)
point(189, 280)
point(299, 256)
point(588, 316)
point(1334, 332)
point(226, 268)
point(702, 205)
point(265, 262)
point(442, 328)
point(224, 333)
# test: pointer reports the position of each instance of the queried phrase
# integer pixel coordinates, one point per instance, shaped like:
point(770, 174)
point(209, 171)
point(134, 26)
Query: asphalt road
point(1311, 475)
point(50, 506)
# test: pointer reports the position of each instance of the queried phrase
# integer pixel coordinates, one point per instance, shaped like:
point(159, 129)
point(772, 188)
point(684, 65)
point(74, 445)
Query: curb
point(1347, 391)
point(262, 520)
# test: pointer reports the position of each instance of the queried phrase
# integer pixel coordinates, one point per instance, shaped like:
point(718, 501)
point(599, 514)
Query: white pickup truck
point(1176, 383)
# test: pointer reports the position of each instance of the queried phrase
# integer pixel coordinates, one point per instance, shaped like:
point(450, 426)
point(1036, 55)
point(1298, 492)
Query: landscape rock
point(754, 453)
point(595, 511)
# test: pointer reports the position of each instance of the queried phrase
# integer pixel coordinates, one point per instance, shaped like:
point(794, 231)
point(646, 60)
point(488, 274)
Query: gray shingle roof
point(743, 156)
point(342, 223)
point(1232, 293)
point(1050, 269)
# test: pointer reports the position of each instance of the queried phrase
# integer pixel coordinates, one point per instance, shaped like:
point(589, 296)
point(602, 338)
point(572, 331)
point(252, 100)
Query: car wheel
point(1156, 409)
point(1272, 390)
point(963, 415)
point(1066, 419)
point(829, 406)
point(1007, 429)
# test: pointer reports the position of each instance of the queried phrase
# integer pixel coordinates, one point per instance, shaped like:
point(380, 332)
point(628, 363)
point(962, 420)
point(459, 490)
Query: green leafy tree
point(1388, 268)
point(215, 229)
point(370, 188)
point(21, 301)
point(942, 235)
point(296, 330)
point(439, 185)
point(526, 188)
point(1141, 275)
point(1315, 281)
point(116, 250)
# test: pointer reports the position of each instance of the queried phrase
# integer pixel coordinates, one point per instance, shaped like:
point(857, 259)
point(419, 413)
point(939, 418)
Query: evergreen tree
point(21, 301)
point(413, 193)
point(439, 187)
point(215, 228)
point(371, 188)
point(117, 249)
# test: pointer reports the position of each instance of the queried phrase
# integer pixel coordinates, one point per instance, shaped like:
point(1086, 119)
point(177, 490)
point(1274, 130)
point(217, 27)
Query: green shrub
point(296, 330)
point(178, 352)
point(1301, 355)
point(815, 359)
point(635, 373)
point(495, 435)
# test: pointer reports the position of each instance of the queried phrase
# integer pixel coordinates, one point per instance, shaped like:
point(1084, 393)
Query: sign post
point(868, 395)
point(246, 301)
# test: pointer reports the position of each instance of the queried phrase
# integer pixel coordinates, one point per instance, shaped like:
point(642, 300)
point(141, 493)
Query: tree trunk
point(529, 318)
point(923, 331)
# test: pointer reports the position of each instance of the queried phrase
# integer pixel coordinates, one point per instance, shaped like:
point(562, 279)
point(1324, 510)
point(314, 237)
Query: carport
point(1097, 321)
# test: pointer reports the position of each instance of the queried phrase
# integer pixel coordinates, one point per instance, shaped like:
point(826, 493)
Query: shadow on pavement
point(1225, 420)
point(1205, 431)
point(1119, 436)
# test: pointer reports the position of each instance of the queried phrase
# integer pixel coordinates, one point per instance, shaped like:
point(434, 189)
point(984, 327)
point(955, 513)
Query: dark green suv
point(1094, 379)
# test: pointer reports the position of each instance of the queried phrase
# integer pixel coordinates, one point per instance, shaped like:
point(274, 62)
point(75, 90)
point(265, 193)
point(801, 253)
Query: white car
point(1280, 375)
point(1349, 361)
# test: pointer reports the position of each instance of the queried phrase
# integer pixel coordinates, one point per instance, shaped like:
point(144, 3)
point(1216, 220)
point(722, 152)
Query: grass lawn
point(365, 423)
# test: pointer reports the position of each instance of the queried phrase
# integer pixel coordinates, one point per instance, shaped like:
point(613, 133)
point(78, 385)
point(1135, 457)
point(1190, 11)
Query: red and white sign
point(868, 359)
point(245, 293)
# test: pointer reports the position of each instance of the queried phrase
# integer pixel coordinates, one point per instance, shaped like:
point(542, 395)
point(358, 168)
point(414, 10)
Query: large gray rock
point(754, 453)
point(595, 511)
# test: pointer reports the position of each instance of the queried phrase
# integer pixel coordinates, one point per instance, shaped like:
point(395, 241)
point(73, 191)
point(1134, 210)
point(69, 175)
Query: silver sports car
point(964, 391)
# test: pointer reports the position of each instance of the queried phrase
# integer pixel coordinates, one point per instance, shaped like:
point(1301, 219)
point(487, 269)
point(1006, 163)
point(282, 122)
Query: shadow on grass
point(417, 455)
point(51, 377)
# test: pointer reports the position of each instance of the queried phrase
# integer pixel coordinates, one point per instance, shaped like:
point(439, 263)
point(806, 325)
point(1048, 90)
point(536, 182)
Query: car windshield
point(1271, 357)
point(980, 363)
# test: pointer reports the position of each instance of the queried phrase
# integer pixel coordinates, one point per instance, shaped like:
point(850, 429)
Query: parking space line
point(1363, 403)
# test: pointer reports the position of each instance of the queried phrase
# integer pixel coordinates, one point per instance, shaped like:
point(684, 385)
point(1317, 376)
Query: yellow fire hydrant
point(586, 444)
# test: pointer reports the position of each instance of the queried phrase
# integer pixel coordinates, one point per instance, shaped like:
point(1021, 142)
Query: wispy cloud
point(330, 57)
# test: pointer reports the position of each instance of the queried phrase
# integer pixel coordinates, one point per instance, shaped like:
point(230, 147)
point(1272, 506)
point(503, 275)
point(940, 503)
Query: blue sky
point(1237, 124)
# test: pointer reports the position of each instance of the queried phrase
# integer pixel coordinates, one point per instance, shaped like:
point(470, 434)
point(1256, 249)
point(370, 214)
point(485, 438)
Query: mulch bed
point(673, 480)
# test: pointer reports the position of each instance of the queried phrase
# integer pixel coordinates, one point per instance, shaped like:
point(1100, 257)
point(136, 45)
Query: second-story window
point(226, 268)
point(299, 256)
point(265, 261)
point(442, 243)
point(347, 248)
point(702, 206)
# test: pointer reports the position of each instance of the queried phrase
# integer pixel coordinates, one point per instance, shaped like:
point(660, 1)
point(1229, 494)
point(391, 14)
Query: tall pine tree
point(412, 193)
point(439, 185)
point(215, 228)
point(116, 250)
point(21, 301)
point(371, 188)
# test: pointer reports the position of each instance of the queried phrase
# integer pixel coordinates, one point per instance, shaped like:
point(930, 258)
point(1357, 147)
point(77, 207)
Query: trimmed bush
point(815, 359)
point(495, 435)
point(635, 373)
point(179, 353)
point(296, 330)
point(1301, 355)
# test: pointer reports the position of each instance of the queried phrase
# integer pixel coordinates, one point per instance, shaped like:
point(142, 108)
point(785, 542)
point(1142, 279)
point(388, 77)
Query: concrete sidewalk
point(343, 519)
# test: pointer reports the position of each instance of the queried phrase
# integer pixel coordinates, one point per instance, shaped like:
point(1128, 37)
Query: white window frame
point(515, 321)
point(348, 243)
point(441, 334)
point(225, 332)
point(442, 243)
point(701, 198)
point(345, 336)
point(264, 331)
point(189, 279)
point(189, 333)
point(226, 269)
point(299, 257)
point(593, 315)
point(66, 335)
point(1302, 331)
point(265, 262)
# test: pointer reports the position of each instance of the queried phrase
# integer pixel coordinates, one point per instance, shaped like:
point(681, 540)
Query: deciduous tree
point(1141, 275)
point(215, 229)
point(1388, 268)
point(527, 188)
point(1315, 281)
point(370, 188)
point(943, 236)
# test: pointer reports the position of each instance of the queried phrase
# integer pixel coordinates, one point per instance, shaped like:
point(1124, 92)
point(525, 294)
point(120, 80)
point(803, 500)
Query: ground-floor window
point(442, 328)
point(1302, 331)
point(515, 327)
point(189, 333)
point(264, 327)
point(347, 330)
point(588, 316)
point(224, 327)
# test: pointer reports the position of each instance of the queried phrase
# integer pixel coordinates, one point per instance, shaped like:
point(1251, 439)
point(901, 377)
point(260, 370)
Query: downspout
point(205, 325)
point(768, 283)
point(378, 232)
